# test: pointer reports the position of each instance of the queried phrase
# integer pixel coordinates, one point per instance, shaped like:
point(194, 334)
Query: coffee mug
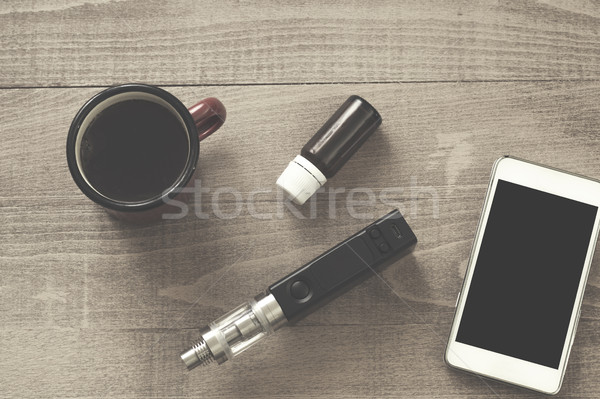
point(132, 148)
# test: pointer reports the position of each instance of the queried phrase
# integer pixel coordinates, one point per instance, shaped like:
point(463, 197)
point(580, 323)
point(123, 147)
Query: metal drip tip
point(197, 355)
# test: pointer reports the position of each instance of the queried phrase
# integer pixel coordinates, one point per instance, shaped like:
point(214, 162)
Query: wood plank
point(94, 307)
point(340, 361)
point(101, 42)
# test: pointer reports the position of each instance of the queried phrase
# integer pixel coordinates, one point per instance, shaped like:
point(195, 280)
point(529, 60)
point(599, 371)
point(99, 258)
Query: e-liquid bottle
point(329, 149)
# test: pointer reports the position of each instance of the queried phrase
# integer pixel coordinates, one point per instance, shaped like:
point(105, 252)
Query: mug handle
point(209, 114)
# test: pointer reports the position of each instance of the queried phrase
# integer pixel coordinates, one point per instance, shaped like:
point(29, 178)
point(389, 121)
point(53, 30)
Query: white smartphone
point(519, 306)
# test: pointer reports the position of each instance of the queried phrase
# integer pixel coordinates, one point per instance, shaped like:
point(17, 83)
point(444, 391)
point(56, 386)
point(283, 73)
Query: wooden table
point(94, 307)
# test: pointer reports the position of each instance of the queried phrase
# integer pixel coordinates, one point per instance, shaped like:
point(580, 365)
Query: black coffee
point(134, 150)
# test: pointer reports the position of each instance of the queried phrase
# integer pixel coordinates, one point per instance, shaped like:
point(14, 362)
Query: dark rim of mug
point(154, 202)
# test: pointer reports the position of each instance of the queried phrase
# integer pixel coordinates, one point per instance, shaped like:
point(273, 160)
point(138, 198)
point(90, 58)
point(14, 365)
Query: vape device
point(301, 292)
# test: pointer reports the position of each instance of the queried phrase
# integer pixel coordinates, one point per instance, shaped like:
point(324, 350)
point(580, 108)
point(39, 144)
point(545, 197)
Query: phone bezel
point(502, 367)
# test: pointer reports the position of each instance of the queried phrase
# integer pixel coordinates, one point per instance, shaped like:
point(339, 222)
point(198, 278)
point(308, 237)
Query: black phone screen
point(526, 275)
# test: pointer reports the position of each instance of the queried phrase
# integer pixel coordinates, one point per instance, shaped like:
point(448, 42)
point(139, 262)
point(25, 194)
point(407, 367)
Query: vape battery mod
point(383, 242)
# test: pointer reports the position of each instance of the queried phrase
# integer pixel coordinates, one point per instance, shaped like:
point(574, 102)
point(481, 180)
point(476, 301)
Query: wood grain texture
point(91, 307)
point(94, 307)
point(100, 42)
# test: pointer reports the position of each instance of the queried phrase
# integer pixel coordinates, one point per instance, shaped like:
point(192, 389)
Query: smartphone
point(518, 309)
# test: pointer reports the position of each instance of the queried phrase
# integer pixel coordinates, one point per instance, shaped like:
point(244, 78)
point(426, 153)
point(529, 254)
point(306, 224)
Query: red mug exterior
point(209, 115)
point(201, 120)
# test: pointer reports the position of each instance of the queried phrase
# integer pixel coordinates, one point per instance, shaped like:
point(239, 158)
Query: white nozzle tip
point(300, 180)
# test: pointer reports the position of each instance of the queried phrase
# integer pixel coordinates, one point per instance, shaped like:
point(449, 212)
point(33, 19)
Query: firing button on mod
point(375, 233)
point(383, 247)
point(299, 290)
